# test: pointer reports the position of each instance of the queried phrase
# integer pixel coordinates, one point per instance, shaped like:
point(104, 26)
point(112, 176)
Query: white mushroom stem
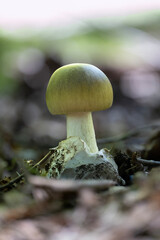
point(81, 125)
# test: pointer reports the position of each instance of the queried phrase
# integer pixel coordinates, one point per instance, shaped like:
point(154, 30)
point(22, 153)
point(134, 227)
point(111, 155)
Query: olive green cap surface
point(78, 88)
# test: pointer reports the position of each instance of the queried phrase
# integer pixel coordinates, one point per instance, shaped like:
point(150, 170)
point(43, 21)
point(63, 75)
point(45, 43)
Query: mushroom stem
point(81, 125)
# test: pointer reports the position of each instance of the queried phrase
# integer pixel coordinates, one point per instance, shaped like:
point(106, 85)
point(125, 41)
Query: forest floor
point(34, 207)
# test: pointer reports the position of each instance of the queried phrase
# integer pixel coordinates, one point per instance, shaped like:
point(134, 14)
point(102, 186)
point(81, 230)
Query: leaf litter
point(89, 209)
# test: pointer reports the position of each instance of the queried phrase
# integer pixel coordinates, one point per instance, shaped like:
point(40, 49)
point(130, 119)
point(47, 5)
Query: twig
point(18, 178)
point(15, 180)
point(127, 135)
point(43, 159)
point(148, 162)
point(69, 184)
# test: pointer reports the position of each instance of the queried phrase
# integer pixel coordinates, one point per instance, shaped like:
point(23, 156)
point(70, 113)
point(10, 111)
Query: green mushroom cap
point(78, 88)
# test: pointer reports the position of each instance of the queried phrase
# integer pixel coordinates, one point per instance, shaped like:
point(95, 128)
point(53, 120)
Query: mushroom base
point(71, 159)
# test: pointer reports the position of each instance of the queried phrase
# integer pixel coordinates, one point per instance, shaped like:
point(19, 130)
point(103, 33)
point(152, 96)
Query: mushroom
point(76, 90)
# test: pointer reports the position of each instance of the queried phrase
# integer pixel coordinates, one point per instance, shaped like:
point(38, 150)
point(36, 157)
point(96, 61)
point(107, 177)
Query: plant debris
point(129, 213)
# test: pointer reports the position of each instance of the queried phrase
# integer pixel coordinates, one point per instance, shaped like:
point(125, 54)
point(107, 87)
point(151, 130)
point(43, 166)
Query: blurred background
point(122, 38)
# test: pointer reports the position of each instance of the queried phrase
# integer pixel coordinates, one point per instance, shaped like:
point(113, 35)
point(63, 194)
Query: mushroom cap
point(78, 88)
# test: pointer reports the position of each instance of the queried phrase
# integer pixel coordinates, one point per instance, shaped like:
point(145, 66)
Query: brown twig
point(70, 184)
point(148, 162)
point(127, 135)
